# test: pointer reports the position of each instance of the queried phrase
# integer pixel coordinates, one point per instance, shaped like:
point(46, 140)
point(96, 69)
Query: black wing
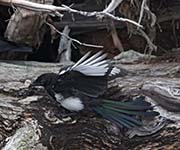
point(71, 81)
point(88, 75)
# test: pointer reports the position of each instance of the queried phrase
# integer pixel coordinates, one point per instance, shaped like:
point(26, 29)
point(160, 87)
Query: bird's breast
point(72, 104)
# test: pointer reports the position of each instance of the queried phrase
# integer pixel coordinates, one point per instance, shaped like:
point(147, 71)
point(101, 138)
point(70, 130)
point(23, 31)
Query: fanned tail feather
point(126, 114)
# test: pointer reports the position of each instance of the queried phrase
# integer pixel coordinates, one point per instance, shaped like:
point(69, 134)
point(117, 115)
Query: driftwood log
point(31, 120)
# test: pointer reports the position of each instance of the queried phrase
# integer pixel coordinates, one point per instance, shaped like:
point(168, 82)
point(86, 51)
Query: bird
point(81, 87)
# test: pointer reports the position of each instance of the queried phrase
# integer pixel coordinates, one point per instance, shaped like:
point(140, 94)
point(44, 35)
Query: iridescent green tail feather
point(127, 114)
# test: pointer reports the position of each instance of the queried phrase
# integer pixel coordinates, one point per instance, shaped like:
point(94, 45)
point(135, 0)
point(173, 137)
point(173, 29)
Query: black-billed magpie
point(80, 86)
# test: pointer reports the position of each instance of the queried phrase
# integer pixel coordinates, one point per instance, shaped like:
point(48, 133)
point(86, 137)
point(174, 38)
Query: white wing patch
point(72, 104)
point(95, 65)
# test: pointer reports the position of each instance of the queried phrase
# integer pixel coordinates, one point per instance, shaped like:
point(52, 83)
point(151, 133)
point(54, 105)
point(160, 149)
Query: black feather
point(89, 85)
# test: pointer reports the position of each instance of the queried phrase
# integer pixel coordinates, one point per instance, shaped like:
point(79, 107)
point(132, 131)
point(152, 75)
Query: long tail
point(126, 114)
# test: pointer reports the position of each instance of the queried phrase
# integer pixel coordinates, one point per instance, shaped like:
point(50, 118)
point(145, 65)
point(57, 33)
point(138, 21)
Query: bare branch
point(115, 38)
point(101, 13)
point(72, 39)
point(56, 10)
point(144, 7)
point(149, 42)
point(142, 11)
point(122, 19)
point(152, 15)
point(34, 6)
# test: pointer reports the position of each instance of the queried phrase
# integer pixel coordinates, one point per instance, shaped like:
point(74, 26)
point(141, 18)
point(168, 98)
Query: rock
point(131, 56)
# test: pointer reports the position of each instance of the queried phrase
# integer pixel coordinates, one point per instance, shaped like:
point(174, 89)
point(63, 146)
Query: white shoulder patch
point(72, 104)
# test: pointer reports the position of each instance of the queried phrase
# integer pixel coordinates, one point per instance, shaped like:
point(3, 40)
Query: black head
point(45, 80)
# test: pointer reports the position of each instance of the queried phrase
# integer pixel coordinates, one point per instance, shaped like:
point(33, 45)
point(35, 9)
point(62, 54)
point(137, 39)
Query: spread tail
point(126, 114)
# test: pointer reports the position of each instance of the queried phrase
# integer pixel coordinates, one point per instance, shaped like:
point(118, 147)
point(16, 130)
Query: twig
point(72, 39)
point(151, 14)
point(149, 42)
point(112, 6)
point(145, 7)
point(115, 37)
point(142, 11)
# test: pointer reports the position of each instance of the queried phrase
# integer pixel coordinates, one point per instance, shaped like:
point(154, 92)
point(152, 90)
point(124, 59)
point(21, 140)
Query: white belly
point(72, 104)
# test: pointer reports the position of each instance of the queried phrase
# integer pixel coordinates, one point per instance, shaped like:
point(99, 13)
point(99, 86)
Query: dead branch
point(152, 47)
point(115, 38)
point(72, 39)
point(34, 6)
point(64, 49)
point(58, 10)
point(142, 11)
